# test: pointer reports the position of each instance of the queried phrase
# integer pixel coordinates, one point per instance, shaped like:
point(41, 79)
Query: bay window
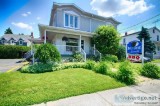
point(70, 21)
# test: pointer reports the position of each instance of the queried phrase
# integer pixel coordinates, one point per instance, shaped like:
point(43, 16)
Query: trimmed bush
point(125, 73)
point(48, 52)
point(111, 58)
point(150, 70)
point(37, 68)
point(77, 56)
point(12, 51)
point(101, 68)
point(90, 64)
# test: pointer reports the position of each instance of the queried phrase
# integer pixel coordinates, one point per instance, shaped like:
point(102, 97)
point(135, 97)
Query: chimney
point(125, 33)
point(32, 35)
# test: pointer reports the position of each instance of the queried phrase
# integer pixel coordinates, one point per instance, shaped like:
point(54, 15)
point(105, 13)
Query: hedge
point(12, 51)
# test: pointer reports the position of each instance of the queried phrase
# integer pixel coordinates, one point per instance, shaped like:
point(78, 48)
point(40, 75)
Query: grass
point(156, 61)
point(17, 89)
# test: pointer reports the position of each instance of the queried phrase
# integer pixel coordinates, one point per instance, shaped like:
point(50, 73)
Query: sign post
point(142, 51)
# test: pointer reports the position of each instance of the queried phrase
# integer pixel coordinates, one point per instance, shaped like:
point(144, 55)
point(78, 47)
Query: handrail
point(84, 54)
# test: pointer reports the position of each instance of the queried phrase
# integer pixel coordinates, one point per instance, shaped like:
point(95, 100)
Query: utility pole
point(32, 48)
point(142, 51)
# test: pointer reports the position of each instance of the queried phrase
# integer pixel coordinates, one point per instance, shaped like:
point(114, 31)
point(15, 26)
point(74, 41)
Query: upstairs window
point(124, 41)
point(153, 30)
point(66, 20)
point(76, 22)
point(71, 21)
point(157, 37)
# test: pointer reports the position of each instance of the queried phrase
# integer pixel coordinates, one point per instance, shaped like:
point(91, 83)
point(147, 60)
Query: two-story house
point(155, 38)
point(71, 28)
point(13, 39)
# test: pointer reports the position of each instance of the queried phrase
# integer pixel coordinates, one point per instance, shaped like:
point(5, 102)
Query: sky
point(23, 16)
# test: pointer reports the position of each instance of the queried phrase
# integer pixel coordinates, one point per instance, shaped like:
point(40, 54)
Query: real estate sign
point(134, 50)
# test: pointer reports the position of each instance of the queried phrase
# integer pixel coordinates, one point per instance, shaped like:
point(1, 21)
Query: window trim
point(69, 14)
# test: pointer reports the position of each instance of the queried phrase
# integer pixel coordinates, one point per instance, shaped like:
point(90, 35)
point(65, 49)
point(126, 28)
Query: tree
point(106, 40)
point(8, 31)
point(149, 46)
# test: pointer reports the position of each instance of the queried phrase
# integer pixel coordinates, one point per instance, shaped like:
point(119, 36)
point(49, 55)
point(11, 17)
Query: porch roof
point(60, 30)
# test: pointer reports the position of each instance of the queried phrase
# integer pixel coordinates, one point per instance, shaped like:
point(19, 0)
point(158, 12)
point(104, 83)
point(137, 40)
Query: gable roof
point(56, 5)
point(139, 31)
point(7, 37)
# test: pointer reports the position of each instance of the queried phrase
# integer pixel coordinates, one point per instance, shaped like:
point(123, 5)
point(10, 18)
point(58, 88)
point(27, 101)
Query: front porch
point(68, 40)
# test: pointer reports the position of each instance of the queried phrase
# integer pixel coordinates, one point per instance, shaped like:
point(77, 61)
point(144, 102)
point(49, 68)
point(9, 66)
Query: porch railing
point(84, 54)
point(68, 50)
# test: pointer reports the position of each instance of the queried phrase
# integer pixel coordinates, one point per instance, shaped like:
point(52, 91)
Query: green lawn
point(25, 89)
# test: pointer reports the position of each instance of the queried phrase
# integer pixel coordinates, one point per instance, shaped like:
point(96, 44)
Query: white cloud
point(24, 14)
point(29, 12)
point(119, 7)
point(38, 18)
point(23, 25)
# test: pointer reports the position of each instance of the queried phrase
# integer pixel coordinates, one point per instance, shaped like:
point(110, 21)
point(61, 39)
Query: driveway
point(10, 64)
point(113, 97)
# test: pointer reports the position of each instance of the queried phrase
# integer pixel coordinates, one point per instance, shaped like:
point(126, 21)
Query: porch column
point(44, 36)
point(80, 43)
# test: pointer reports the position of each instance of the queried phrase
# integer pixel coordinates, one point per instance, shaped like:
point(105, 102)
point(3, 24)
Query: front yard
point(25, 89)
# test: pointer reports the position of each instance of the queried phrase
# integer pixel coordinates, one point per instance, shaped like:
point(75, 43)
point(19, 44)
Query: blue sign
point(134, 47)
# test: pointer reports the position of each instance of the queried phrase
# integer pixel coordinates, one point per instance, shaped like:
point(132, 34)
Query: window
point(72, 44)
point(153, 30)
point(82, 44)
point(66, 20)
point(76, 22)
point(157, 37)
point(12, 42)
point(20, 42)
point(71, 21)
point(2, 41)
point(124, 41)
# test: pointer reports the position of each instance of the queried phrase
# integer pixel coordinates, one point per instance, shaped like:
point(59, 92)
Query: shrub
point(101, 68)
point(150, 70)
point(12, 51)
point(125, 73)
point(111, 58)
point(78, 56)
point(47, 52)
point(106, 35)
point(37, 68)
point(121, 53)
point(90, 64)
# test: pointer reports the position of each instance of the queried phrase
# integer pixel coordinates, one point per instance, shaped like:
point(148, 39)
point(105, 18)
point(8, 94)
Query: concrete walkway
point(107, 98)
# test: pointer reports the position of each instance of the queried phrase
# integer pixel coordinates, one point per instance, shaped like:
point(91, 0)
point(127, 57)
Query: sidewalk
point(107, 98)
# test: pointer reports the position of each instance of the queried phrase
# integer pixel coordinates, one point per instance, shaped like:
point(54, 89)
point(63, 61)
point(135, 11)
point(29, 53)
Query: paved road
point(107, 98)
point(9, 64)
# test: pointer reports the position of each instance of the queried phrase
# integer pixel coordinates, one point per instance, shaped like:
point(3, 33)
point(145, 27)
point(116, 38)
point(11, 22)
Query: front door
point(82, 44)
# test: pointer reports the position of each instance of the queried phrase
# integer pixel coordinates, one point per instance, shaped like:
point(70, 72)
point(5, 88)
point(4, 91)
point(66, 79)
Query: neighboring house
point(155, 38)
point(71, 28)
point(12, 39)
